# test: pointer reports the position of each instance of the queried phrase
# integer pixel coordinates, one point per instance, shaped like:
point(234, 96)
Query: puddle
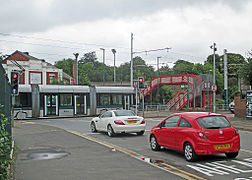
point(45, 154)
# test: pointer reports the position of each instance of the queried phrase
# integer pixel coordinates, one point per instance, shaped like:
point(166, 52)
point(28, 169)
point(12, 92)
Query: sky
point(55, 29)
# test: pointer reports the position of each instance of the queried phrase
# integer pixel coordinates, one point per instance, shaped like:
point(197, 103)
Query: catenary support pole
point(225, 79)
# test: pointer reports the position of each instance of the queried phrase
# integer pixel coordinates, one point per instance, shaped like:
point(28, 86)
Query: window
point(124, 113)
point(213, 122)
point(184, 123)
point(171, 121)
point(116, 99)
point(66, 100)
point(51, 78)
point(23, 100)
point(106, 114)
point(104, 99)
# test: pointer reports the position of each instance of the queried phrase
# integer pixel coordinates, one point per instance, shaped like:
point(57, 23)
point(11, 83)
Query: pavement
point(46, 152)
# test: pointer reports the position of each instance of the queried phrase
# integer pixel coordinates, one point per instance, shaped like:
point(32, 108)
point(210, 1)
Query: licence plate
point(222, 146)
point(132, 121)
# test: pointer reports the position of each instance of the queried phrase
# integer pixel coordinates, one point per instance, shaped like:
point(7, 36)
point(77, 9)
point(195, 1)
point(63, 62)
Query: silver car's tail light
point(143, 122)
point(119, 122)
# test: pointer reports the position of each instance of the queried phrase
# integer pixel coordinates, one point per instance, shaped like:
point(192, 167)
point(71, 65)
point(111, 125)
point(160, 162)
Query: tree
point(165, 70)
point(246, 71)
point(166, 94)
point(218, 62)
point(198, 69)
point(89, 58)
point(66, 65)
point(183, 67)
point(141, 69)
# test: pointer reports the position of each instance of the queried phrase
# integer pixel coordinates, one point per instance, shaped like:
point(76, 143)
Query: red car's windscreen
point(213, 122)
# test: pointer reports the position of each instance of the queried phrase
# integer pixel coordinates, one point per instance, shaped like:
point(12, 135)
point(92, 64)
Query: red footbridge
point(193, 91)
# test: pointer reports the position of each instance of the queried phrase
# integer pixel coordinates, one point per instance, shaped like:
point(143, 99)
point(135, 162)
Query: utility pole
point(103, 57)
point(114, 51)
point(225, 79)
point(76, 74)
point(214, 49)
point(158, 80)
point(131, 57)
point(131, 62)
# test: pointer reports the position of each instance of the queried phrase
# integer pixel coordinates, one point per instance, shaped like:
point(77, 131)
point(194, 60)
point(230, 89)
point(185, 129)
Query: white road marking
point(245, 150)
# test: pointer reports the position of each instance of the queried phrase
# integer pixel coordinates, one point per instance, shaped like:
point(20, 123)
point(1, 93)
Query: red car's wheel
point(232, 155)
point(189, 153)
point(154, 144)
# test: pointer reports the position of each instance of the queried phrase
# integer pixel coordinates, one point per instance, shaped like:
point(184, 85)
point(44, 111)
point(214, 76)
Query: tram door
point(126, 102)
point(80, 104)
point(51, 105)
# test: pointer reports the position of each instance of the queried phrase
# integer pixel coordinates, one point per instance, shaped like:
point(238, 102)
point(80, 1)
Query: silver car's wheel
point(189, 152)
point(154, 144)
point(93, 127)
point(110, 131)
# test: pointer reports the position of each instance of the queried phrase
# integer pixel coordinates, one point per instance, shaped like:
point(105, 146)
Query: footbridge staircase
point(180, 99)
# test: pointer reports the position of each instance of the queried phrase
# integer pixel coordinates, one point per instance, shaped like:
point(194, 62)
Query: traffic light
point(14, 82)
point(140, 82)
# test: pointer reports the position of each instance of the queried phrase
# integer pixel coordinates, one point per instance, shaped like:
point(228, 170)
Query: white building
point(37, 71)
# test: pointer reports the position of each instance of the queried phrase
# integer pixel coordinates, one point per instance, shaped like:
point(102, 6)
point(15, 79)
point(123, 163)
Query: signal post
point(15, 76)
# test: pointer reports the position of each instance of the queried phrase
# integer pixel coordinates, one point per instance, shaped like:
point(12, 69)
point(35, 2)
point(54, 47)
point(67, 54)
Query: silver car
point(118, 121)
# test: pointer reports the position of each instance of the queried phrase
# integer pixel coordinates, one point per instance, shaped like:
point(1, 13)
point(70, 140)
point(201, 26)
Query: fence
point(5, 98)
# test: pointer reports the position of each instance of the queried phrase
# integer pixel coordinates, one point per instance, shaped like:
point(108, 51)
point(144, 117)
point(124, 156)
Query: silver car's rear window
point(213, 122)
point(124, 113)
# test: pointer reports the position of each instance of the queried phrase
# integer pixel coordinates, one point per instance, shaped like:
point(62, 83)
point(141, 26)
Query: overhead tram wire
point(62, 41)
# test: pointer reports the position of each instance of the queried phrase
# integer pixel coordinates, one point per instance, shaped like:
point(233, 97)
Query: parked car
point(118, 121)
point(231, 106)
point(196, 133)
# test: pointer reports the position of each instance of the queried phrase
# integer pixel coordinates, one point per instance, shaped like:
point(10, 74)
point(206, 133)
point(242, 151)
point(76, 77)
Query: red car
point(196, 133)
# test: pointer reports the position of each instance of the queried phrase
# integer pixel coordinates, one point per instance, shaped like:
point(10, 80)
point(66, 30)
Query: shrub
point(5, 149)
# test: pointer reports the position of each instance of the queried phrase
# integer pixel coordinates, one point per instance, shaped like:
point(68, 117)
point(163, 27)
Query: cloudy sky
point(55, 29)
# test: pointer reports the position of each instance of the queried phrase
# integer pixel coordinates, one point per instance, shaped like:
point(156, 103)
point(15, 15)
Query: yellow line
point(165, 166)
point(23, 122)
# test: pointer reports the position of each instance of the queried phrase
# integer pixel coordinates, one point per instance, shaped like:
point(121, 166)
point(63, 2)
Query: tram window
point(23, 100)
point(116, 99)
point(104, 99)
point(66, 100)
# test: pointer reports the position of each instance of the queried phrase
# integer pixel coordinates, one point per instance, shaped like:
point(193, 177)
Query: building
point(33, 71)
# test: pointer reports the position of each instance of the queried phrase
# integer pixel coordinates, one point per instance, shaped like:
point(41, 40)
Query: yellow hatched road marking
point(23, 122)
point(163, 166)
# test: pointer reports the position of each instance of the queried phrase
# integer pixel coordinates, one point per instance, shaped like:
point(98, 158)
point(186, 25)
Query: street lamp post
point(76, 71)
point(114, 51)
point(103, 74)
point(214, 49)
point(158, 79)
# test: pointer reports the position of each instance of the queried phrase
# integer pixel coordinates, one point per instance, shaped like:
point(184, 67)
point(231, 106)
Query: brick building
point(37, 71)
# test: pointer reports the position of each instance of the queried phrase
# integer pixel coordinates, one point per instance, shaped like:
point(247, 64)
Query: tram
point(36, 101)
